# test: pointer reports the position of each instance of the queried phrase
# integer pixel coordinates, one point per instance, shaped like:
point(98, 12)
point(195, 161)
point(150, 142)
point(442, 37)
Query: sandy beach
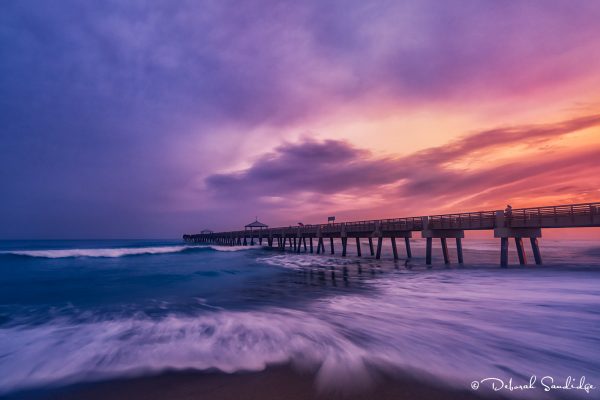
point(275, 383)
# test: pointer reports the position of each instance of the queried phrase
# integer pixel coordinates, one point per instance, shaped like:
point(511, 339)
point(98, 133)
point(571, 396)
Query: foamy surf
point(416, 325)
point(119, 251)
point(206, 308)
point(62, 352)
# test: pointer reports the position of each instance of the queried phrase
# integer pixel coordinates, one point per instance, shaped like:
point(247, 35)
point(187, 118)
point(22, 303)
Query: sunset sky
point(150, 119)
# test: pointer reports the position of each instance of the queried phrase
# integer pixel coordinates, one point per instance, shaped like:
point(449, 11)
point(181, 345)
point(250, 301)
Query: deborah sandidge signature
point(547, 383)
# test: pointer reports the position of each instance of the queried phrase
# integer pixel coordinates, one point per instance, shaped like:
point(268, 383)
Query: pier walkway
point(523, 223)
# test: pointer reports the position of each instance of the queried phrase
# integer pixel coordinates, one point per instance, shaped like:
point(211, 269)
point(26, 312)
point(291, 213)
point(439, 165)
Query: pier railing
point(585, 214)
point(560, 216)
point(470, 220)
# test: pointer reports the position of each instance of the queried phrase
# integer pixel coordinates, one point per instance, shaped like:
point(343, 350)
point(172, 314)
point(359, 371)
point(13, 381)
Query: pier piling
point(394, 248)
point(504, 252)
point(521, 251)
point(379, 244)
point(536, 250)
point(445, 250)
point(320, 245)
point(408, 252)
point(429, 245)
point(459, 251)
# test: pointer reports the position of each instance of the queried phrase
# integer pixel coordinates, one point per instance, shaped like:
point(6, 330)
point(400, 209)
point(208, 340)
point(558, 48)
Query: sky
point(149, 119)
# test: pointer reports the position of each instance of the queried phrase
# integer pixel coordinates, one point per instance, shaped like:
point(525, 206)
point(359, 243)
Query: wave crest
point(119, 251)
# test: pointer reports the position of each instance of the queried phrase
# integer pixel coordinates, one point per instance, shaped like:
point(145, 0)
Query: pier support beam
point(428, 251)
point(443, 234)
point(394, 248)
point(504, 252)
point(311, 244)
point(505, 233)
point(358, 247)
point(521, 251)
point(320, 246)
point(408, 252)
point(445, 250)
point(379, 244)
point(536, 250)
point(459, 251)
point(371, 246)
point(331, 243)
point(304, 242)
point(344, 243)
point(245, 242)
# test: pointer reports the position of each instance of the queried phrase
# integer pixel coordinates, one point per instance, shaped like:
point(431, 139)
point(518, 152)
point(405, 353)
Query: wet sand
point(274, 383)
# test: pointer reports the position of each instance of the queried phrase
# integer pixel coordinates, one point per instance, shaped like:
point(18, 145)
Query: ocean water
point(74, 311)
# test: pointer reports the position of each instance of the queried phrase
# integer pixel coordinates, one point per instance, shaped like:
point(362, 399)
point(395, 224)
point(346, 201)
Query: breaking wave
point(120, 251)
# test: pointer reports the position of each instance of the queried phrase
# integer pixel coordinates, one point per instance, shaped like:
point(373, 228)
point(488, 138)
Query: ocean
point(83, 311)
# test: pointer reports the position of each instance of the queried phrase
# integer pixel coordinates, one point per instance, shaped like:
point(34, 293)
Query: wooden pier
point(518, 224)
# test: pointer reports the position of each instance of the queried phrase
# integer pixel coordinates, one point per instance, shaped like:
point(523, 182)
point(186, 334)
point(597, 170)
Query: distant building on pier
point(256, 225)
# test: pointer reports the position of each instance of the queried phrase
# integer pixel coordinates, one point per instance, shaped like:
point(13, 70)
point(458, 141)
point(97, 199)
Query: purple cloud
point(417, 181)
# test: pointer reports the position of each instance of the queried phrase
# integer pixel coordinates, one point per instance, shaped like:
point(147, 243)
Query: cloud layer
point(113, 112)
point(426, 181)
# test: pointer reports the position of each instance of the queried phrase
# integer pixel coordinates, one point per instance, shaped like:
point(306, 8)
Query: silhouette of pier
point(523, 223)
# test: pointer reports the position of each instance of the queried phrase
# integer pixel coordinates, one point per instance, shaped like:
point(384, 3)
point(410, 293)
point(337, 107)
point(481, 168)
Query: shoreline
point(275, 382)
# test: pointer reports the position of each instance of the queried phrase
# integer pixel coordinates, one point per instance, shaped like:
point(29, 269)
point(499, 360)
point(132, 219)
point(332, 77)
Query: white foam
point(228, 341)
point(232, 248)
point(303, 261)
point(118, 251)
point(455, 330)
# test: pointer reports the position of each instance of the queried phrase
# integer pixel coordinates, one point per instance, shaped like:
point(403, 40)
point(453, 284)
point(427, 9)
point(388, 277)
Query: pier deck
point(518, 224)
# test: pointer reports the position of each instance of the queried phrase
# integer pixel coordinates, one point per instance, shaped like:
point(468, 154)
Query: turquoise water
point(74, 311)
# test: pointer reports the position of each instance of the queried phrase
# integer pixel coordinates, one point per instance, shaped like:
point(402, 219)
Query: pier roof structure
point(256, 224)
